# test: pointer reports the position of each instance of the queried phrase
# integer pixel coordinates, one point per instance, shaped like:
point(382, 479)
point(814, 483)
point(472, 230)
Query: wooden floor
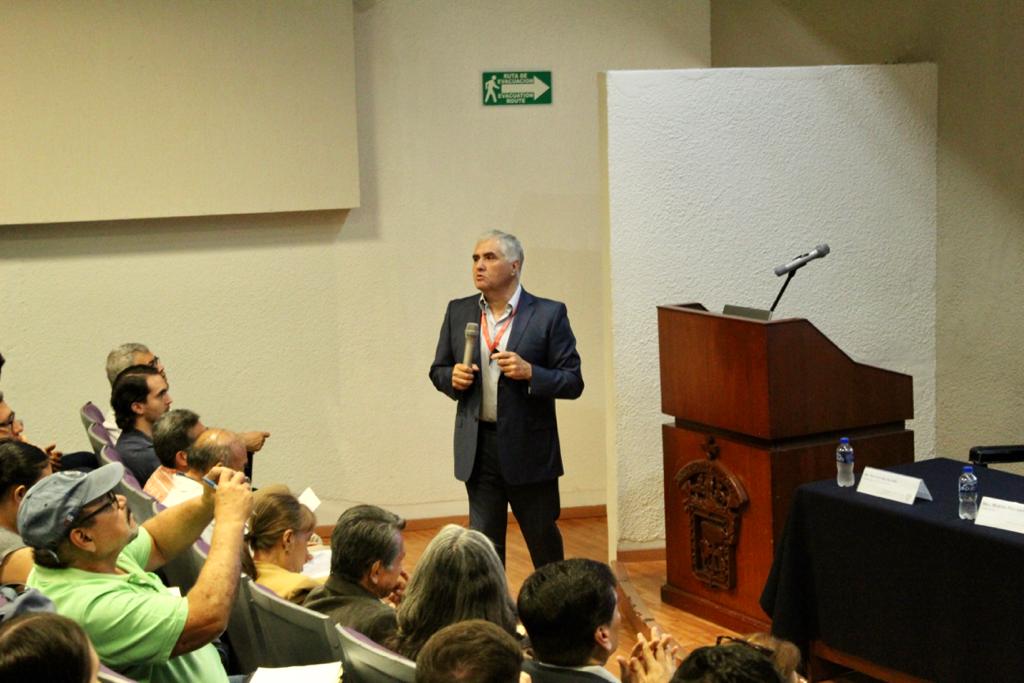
point(588, 537)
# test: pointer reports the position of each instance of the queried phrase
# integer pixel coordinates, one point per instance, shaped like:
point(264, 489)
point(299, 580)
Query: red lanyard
point(493, 347)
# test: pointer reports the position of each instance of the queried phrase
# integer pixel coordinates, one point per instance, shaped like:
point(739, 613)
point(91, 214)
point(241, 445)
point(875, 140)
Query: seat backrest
point(142, 505)
point(243, 634)
point(183, 569)
point(364, 661)
point(91, 414)
point(109, 454)
point(98, 437)
point(139, 502)
point(293, 635)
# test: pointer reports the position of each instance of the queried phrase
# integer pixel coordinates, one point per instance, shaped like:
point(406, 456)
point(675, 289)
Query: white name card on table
point(1001, 514)
point(891, 486)
point(309, 499)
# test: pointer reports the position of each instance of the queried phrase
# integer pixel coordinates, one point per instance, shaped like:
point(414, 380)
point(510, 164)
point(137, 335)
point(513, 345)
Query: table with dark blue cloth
point(913, 588)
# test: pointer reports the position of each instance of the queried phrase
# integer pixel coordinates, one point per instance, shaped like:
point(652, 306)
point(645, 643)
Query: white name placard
point(1001, 514)
point(891, 486)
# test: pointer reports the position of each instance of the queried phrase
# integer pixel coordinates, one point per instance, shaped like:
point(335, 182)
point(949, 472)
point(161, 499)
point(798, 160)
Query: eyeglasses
point(111, 502)
point(729, 640)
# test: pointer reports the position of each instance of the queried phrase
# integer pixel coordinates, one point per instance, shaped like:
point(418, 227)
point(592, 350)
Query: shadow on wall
point(979, 50)
point(169, 235)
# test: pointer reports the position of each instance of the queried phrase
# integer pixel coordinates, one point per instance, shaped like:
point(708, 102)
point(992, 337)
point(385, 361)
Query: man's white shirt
point(184, 489)
point(490, 373)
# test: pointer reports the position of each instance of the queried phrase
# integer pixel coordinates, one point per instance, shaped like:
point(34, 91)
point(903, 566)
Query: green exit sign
point(516, 87)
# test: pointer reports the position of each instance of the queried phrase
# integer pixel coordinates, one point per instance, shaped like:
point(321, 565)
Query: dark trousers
point(536, 506)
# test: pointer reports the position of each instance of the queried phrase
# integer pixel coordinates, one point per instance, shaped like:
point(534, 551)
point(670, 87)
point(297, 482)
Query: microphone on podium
point(789, 269)
point(472, 338)
point(802, 260)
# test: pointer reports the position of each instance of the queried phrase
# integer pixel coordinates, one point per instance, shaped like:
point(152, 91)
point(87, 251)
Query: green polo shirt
point(132, 620)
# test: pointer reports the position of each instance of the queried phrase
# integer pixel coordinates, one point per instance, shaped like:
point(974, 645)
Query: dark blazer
point(527, 429)
point(541, 673)
point(349, 604)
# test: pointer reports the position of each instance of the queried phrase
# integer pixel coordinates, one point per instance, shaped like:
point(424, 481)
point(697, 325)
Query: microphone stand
point(784, 285)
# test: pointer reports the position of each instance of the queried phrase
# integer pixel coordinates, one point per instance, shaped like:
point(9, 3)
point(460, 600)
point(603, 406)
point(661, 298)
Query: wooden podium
point(759, 408)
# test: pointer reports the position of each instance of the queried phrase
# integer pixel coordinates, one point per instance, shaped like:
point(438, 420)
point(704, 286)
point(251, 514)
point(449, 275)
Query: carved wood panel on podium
point(758, 408)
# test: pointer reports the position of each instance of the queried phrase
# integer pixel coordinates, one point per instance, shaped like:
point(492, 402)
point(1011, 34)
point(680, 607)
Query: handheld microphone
point(819, 251)
point(472, 338)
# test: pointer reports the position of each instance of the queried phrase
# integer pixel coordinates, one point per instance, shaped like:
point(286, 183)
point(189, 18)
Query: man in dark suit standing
point(506, 435)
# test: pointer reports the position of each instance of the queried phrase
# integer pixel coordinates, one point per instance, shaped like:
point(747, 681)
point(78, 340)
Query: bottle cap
point(968, 468)
point(844, 440)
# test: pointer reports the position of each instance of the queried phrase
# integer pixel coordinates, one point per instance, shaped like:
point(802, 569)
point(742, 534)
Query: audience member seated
point(459, 577)
point(473, 651)
point(13, 429)
point(172, 435)
point(367, 550)
point(784, 654)
point(213, 447)
point(139, 399)
point(278, 537)
point(726, 664)
point(119, 360)
point(96, 565)
point(127, 355)
point(21, 466)
point(46, 647)
point(571, 615)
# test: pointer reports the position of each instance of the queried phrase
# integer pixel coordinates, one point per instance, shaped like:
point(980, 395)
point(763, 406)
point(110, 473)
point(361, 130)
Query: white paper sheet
point(312, 673)
point(309, 499)
point(320, 565)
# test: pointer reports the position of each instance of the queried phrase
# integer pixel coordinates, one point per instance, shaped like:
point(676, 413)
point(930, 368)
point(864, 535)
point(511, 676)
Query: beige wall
point(153, 109)
point(320, 327)
point(979, 49)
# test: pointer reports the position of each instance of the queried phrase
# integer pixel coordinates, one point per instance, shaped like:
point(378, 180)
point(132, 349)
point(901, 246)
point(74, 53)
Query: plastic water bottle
point(844, 463)
point(967, 491)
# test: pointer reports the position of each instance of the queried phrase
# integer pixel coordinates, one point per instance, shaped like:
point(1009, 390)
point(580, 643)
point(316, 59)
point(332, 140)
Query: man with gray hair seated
point(133, 353)
point(173, 434)
point(119, 360)
point(367, 549)
point(96, 565)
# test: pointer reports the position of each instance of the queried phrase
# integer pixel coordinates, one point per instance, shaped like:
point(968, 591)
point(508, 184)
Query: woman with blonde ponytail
point(279, 532)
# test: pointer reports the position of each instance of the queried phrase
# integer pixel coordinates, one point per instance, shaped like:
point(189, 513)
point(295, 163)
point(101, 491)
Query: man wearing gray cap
point(96, 565)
